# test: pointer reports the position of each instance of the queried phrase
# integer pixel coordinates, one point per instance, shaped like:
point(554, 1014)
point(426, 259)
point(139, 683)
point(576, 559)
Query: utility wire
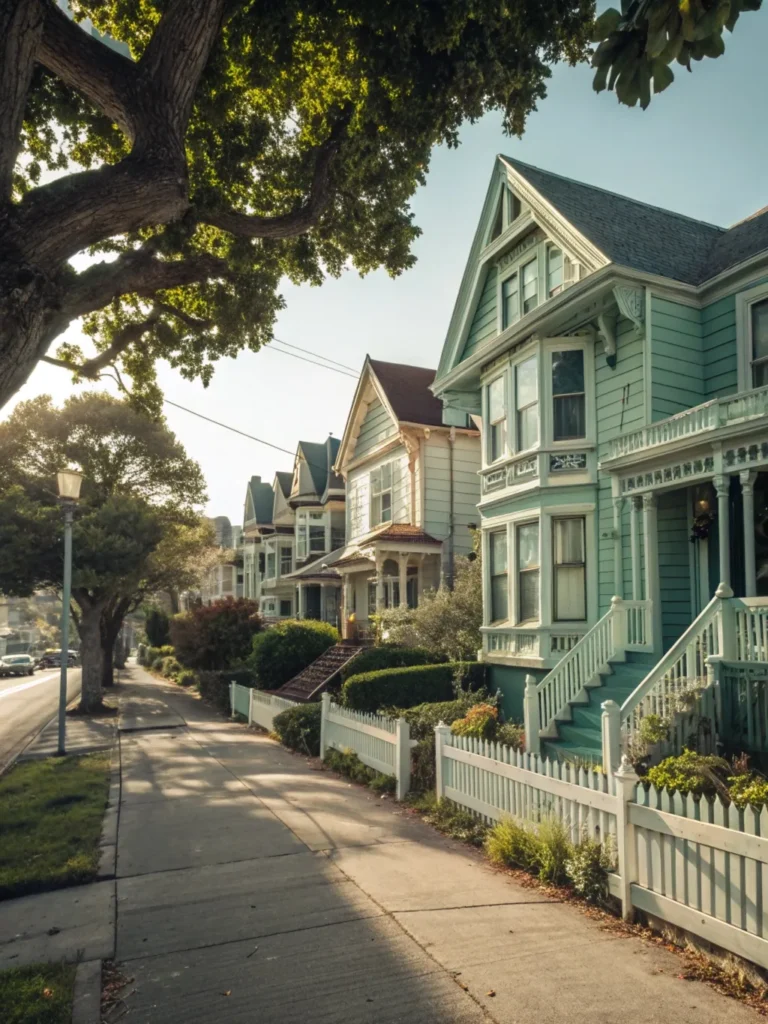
point(317, 355)
point(304, 359)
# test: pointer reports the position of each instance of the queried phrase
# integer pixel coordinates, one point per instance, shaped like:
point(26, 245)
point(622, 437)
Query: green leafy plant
point(214, 687)
point(216, 636)
point(513, 843)
point(690, 772)
point(588, 867)
point(511, 735)
point(387, 656)
point(141, 654)
point(187, 677)
point(554, 850)
point(481, 721)
point(157, 664)
point(406, 687)
point(450, 819)
point(347, 763)
point(422, 718)
point(299, 728)
point(653, 729)
point(748, 790)
point(157, 627)
point(285, 649)
point(170, 667)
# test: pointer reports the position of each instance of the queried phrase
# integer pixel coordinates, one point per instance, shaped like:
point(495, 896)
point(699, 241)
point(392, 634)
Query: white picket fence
point(384, 744)
point(257, 706)
point(698, 864)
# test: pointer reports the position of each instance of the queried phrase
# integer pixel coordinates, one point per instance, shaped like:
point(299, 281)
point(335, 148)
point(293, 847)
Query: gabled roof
point(285, 482)
point(407, 390)
point(320, 457)
point(262, 499)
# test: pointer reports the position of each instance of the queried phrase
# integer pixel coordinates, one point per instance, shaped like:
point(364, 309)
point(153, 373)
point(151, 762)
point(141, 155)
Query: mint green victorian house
point(618, 356)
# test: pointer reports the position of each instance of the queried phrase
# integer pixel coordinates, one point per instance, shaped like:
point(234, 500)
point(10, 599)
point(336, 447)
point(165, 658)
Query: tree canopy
point(206, 149)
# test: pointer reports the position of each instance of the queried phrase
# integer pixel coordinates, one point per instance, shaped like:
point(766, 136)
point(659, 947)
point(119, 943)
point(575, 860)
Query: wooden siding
point(677, 370)
point(485, 319)
point(376, 427)
point(620, 400)
point(719, 341)
point(674, 565)
point(359, 494)
point(466, 488)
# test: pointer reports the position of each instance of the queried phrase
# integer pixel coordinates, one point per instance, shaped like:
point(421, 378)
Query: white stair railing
point(751, 628)
point(682, 668)
point(625, 626)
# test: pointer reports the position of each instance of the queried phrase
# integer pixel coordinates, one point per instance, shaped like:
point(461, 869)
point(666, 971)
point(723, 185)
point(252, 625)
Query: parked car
point(52, 659)
point(17, 665)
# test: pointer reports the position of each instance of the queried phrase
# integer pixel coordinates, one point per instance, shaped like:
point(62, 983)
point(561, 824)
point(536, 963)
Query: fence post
point(625, 781)
point(402, 758)
point(250, 707)
point(716, 683)
point(729, 640)
point(531, 720)
point(442, 731)
point(611, 729)
point(232, 699)
point(619, 624)
point(325, 707)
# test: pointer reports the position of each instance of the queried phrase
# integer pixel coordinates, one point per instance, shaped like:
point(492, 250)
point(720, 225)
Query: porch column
point(302, 600)
point(634, 535)
point(403, 563)
point(722, 486)
point(748, 506)
point(346, 607)
point(323, 603)
point(652, 582)
point(379, 585)
point(618, 553)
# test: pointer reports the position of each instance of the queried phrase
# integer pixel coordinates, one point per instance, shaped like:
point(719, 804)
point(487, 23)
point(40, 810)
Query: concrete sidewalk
point(252, 886)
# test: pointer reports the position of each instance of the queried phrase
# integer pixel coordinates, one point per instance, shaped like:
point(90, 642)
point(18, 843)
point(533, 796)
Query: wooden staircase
point(315, 678)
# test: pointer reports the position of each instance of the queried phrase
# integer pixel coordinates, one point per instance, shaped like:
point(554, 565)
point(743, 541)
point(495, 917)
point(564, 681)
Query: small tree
point(157, 627)
point(216, 636)
point(446, 622)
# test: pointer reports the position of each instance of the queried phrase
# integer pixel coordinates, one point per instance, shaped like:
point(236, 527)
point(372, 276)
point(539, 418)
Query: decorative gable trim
point(368, 387)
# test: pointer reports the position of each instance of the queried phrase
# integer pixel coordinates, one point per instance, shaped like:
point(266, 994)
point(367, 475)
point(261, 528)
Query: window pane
point(554, 271)
point(497, 441)
point(527, 546)
point(760, 374)
point(527, 383)
point(386, 507)
point(496, 409)
point(568, 372)
point(570, 594)
point(530, 275)
point(510, 300)
point(569, 540)
point(317, 538)
point(760, 329)
point(386, 476)
point(528, 593)
point(498, 551)
point(528, 427)
point(285, 607)
point(569, 417)
point(499, 598)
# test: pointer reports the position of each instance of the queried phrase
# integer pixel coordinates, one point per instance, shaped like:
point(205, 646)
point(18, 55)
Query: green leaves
point(637, 45)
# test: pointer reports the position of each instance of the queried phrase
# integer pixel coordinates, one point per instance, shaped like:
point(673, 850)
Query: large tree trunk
point(110, 630)
point(92, 656)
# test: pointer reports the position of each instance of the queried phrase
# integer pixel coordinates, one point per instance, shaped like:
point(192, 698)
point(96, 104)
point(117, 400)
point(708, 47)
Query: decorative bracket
point(606, 331)
point(631, 303)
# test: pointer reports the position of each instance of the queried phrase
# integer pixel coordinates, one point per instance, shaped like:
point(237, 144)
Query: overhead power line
point(312, 362)
point(318, 356)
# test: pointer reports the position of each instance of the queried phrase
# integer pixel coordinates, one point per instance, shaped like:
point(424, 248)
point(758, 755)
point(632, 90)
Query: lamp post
point(69, 481)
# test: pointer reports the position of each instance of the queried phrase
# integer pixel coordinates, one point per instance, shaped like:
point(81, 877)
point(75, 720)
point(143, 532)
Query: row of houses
point(600, 412)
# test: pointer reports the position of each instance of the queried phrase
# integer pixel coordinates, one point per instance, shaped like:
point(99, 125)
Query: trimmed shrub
point(299, 728)
point(170, 667)
point(282, 651)
point(406, 687)
point(214, 686)
point(156, 627)
point(422, 718)
point(588, 867)
point(186, 677)
point(388, 656)
point(141, 654)
point(347, 763)
point(216, 636)
point(511, 735)
point(157, 664)
point(480, 721)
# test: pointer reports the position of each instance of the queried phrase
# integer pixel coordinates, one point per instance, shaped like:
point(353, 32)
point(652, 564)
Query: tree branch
point(21, 26)
point(126, 336)
point(102, 75)
point(300, 220)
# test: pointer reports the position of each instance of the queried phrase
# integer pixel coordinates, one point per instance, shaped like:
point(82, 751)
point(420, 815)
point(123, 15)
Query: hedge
point(281, 652)
point(299, 728)
point(406, 687)
point(214, 685)
point(387, 656)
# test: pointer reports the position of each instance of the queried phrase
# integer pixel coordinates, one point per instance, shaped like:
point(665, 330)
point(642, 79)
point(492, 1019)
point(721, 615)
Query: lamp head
point(69, 481)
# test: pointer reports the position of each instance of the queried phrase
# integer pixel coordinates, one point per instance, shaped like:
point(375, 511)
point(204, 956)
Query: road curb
point(108, 842)
point(86, 1005)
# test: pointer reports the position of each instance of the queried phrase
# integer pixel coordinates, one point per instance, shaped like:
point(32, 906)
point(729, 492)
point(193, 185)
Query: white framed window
point(316, 533)
point(381, 494)
point(286, 560)
point(527, 403)
point(555, 278)
point(510, 300)
point(758, 330)
point(569, 405)
point(497, 420)
point(529, 285)
point(499, 575)
point(569, 569)
point(528, 571)
point(285, 608)
point(271, 564)
point(520, 292)
point(752, 337)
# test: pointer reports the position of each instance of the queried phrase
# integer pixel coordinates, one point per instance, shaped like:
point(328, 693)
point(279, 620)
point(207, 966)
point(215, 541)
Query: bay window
point(569, 584)
point(310, 534)
point(497, 545)
point(497, 420)
point(527, 403)
point(569, 413)
point(528, 572)
point(381, 495)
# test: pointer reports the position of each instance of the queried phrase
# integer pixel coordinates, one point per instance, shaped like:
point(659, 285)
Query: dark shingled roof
point(407, 390)
point(285, 480)
point(629, 232)
point(262, 499)
point(738, 243)
point(320, 458)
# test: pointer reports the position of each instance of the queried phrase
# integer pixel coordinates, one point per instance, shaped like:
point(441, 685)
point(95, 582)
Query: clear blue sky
point(701, 148)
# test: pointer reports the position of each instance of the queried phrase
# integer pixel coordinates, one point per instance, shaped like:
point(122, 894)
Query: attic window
point(508, 209)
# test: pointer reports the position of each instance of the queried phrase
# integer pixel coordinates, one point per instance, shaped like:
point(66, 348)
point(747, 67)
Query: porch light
point(702, 504)
point(69, 481)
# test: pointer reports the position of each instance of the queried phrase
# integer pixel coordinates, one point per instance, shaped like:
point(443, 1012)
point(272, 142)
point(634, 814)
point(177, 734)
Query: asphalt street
point(26, 704)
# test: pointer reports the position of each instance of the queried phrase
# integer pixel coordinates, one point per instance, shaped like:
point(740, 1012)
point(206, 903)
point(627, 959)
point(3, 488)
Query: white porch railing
point(720, 412)
point(751, 628)
point(626, 626)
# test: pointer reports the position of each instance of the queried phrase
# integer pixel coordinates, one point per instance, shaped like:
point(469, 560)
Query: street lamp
point(69, 481)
